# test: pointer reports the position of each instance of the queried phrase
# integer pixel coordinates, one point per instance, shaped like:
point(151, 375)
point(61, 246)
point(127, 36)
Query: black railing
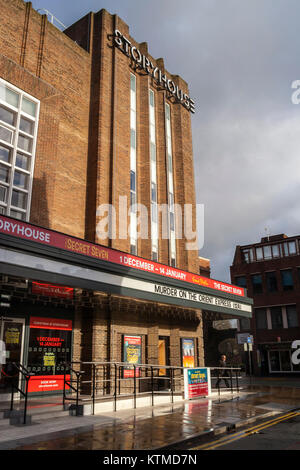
point(100, 381)
point(118, 380)
point(226, 374)
point(68, 383)
point(15, 386)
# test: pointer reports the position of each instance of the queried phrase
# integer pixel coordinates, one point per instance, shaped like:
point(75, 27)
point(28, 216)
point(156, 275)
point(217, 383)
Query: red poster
point(47, 383)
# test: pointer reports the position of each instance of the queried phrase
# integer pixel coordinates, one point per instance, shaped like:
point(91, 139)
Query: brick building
point(89, 118)
point(270, 270)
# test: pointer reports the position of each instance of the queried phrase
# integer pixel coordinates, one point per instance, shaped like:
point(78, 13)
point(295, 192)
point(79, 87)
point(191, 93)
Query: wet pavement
point(152, 428)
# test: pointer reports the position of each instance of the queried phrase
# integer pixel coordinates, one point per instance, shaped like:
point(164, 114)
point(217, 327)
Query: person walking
point(222, 373)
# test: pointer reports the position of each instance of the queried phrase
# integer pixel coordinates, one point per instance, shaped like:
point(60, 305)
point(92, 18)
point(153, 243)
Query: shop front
point(65, 299)
point(276, 358)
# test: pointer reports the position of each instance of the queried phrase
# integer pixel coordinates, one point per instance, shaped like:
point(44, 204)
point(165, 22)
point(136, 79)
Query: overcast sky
point(239, 58)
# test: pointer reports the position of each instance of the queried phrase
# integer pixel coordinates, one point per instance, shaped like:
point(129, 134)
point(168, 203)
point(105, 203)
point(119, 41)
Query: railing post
point(64, 390)
point(26, 395)
point(231, 380)
point(218, 382)
point(134, 389)
point(77, 391)
point(237, 381)
point(152, 386)
point(171, 379)
point(12, 396)
point(115, 392)
point(94, 386)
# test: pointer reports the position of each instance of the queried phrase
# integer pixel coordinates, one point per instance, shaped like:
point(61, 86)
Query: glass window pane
point(153, 151)
point(132, 181)
point(285, 249)
point(274, 361)
point(132, 138)
point(172, 226)
point(153, 192)
point(7, 116)
point(2, 209)
point(11, 97)
point(287, 279)
point(28, 106)
point(26, 126)
point(271, 281)
point(257, 284)
point(6, 134)
point(4, 154)
point(244, 323)
point(285, 360)
point(132, 201)
point(22, 161)
point(20, 180)
point(292, 316)
point(292, 248)
point(25, 143)
point(276, 317)
point(132, 82)
point(17, 215)
point(3, 193)
point(241, 281)
point(267, 252)
point(259, 253)
point(154, 212)
point(18, 199)
point(4, 173)
point(151, 95)
point(275, 251)
point(261, 318)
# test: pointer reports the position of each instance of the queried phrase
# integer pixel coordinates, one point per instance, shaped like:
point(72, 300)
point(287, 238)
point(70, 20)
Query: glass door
point(12, 335)
point(163, 360)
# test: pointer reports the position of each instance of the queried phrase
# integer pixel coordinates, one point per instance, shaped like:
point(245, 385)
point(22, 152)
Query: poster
point(132, 353)
point(196, 383)
point(49, 348)
point(188, 352)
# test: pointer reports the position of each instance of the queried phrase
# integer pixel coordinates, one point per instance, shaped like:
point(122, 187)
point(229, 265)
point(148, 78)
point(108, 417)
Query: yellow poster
point(49, 359)
point(12, 336)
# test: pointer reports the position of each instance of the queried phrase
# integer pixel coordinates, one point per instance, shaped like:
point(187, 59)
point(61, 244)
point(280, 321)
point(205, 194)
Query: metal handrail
point(112, 376)
point(26, 374)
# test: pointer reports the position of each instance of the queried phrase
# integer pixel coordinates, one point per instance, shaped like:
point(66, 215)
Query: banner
point(47, 237)
point(50, 290)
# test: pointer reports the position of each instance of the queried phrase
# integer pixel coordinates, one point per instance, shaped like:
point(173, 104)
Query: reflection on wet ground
point(154, 428)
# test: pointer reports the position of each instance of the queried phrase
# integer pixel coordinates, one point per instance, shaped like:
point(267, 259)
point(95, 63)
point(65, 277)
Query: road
point(278, 433)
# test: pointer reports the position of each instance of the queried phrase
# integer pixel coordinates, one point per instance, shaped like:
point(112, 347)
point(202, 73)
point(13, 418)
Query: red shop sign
point(50, 323)
point(51, 290)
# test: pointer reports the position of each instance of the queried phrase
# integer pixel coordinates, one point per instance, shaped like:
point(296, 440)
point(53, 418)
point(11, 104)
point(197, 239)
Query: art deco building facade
point(91, 122)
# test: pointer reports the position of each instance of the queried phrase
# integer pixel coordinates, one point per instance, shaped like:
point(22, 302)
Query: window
point(271, 281)
point(133, 195)
point(275, 251)
point(261, 318)
point(292, 316)
point(153, 175)
point(259, 254)
point(241, 281)
point(247, 255)
point(257, 283)
point(267, 252)
point(287, 279)
point(18, 132)
point(244, 323)
point(276, 317)
point(170, 182)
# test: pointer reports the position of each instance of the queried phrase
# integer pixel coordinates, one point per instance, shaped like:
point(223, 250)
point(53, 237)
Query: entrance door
point(163, 360)
point(12, 334)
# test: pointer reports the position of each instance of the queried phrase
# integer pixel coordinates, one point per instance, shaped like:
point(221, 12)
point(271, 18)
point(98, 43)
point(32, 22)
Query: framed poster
point(50, 342)
point(132, 353)
point(188, 352)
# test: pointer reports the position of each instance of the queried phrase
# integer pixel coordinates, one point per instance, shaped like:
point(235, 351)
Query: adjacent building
point(270, 271)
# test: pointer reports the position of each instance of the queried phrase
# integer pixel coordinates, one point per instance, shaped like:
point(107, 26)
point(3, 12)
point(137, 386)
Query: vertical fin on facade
point(28, 6)
point(41, 45)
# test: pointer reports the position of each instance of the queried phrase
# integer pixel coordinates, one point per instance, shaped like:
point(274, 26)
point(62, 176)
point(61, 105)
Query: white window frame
point(13, 146)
